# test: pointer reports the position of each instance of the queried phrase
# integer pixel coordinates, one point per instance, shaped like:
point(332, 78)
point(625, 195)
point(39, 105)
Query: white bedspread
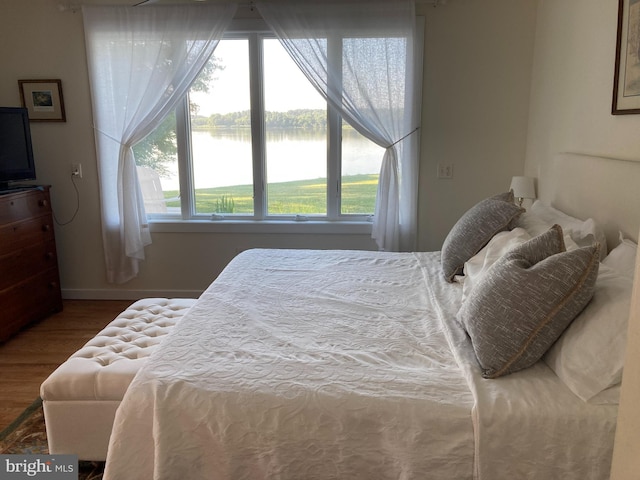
point(343, 365)
point(302, 365)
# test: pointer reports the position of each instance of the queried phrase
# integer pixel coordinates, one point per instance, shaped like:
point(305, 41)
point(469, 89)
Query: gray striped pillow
point(474, 229)
point(526, 300)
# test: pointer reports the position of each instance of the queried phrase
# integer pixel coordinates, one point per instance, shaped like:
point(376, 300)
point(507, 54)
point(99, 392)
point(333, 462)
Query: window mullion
point(185, 160)
point(334, 129)
point(258, 141)
point(334, 151)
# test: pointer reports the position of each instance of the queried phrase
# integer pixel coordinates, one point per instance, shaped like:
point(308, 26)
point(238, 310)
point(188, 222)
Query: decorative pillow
point(623, 258)
point(474, 230)
point(589, 356)
point(583, 232)
point(477, 266)
point(526, 300)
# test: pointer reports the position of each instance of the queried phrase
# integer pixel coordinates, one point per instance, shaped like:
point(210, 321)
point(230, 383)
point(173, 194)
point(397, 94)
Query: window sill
point(256, 226)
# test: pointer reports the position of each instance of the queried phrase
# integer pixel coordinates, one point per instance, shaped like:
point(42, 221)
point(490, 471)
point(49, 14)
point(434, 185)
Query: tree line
point(301, 118)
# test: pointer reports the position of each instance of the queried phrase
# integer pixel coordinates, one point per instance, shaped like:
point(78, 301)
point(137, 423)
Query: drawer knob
point(48, 255)
point(43, 203)
point(46, 228)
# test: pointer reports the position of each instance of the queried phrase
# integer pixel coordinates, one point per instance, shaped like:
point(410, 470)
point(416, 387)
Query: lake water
point(223, 157)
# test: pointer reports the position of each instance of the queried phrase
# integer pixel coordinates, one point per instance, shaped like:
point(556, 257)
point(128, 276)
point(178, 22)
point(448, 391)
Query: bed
point(349, 364)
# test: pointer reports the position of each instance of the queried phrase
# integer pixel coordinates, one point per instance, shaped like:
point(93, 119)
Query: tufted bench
point(81, 396)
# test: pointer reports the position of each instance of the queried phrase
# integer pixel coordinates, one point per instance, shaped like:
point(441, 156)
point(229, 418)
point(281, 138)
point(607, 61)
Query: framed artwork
point(43, 100)
point(626, 84)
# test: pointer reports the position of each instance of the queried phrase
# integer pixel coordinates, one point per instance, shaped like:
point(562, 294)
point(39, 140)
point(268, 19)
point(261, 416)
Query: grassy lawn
point(301, 197)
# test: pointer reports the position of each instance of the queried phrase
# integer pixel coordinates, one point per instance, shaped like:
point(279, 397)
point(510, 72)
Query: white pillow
point(589, 356)
point(477, 266)
point(535, 225)
point(623, 258)
point(610, 396)
point(583, 232)
point(532, 223)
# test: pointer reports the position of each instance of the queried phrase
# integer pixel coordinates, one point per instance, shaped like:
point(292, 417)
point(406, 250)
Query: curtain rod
point(75, 7)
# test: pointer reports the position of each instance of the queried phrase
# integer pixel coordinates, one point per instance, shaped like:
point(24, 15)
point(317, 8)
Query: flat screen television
point(16, 152)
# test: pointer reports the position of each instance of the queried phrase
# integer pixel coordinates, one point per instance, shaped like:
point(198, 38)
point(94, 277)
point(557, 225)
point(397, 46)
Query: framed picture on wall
point(626, 84)
point(43, 100)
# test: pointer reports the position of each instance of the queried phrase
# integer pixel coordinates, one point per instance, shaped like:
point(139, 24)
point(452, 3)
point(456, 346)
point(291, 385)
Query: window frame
point(334, 222)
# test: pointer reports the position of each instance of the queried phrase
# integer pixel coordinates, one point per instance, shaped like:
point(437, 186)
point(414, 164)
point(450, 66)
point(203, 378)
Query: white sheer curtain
point(360, 56)
point(142, 61)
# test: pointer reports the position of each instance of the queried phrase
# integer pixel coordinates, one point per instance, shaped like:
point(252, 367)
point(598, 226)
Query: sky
point(286, 88)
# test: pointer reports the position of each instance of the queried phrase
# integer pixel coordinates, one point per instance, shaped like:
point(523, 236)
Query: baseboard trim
point(125, 294)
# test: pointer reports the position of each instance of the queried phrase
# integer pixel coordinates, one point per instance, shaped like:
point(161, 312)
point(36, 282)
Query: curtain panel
point(360, 55)
point(142, 61)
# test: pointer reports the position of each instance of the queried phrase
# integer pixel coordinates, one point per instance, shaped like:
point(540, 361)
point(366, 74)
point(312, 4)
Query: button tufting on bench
point(105, 366)
point(81, 397)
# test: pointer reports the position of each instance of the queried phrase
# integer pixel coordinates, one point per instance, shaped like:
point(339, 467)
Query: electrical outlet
point(76, 170)
point(445, 170)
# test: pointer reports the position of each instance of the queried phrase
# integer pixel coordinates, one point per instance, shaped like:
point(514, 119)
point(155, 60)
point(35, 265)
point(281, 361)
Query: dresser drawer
point(26, 262)
point(30, 300)
point(24, 205)
point(29, 280)
point(23, 234)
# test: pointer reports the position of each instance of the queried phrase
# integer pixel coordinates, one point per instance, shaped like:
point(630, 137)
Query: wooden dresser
point(29, 278)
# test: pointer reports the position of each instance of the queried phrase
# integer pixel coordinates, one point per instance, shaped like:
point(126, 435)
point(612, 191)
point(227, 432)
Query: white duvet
point(341, 365)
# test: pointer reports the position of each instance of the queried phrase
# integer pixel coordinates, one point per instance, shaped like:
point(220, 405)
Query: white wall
point(478, 57)
point(476, 89)
point(572, 85)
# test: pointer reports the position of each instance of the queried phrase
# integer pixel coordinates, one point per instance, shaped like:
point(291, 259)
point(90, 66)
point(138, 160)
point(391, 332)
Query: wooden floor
point(28, 358)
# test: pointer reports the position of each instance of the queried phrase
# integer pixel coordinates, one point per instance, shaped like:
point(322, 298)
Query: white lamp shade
point(523, 187)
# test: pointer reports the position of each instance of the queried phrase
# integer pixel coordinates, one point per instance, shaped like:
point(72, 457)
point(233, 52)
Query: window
point(255, 141)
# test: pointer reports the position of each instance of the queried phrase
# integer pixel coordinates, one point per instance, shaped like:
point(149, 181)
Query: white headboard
point(605, 189)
